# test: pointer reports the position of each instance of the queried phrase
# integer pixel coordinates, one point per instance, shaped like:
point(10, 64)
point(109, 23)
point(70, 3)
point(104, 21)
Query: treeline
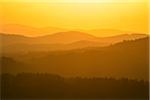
point(39, 86)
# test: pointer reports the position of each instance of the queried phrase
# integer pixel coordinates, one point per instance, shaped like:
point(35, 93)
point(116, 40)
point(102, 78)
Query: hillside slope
point(127, 59)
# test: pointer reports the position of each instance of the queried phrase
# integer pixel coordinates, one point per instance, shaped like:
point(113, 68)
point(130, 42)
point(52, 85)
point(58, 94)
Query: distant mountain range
point(41, 31)
point(28, 30)
point(60, 41)
point(106, 32)
point(76, 53)
point(127, 59)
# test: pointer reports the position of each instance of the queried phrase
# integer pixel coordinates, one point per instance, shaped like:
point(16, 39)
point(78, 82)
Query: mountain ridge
point(126, 59)
point(41, 31)
point(60, 41)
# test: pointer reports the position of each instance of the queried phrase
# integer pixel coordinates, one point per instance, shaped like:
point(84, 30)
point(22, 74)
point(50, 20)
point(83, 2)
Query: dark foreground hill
point(129, 59)
point(50, 86)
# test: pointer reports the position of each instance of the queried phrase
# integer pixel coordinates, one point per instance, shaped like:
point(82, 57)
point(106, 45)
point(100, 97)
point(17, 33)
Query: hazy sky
point(130, 15)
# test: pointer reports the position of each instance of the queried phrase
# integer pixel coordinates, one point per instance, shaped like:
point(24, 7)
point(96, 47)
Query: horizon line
point(75, 31)
point(72, 29)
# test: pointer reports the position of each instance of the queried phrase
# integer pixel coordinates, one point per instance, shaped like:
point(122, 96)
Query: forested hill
point(50, 86)
point(127, 59)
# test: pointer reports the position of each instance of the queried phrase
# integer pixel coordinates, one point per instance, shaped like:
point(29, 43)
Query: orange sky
point(77, 14)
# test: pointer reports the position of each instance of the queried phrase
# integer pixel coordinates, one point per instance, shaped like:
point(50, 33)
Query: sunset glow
point(128, 15)
point(74, 49)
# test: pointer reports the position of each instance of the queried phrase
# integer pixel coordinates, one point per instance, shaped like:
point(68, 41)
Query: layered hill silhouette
point(56, 38)
point(28, 30)
point(127, 59)
point(32, 31)
point(106, 32)
point(70, 53)
point(66, 37)
point(60, 41)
